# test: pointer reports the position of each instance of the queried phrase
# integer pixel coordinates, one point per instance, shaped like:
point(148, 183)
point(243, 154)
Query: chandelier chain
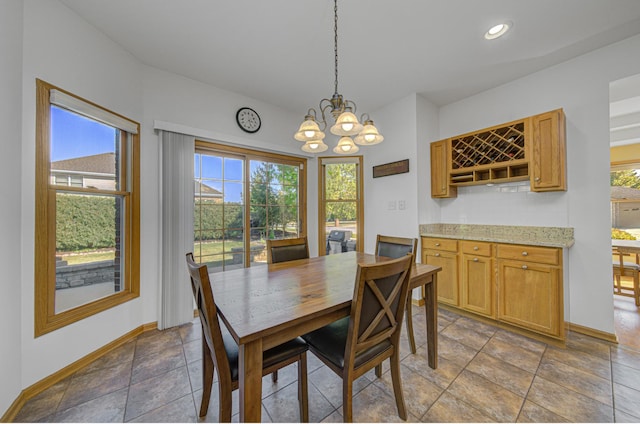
point(335, 43)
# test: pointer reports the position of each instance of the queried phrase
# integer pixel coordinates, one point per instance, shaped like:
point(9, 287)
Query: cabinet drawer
point(543, 255)
point(449, 245)
point(476, 248)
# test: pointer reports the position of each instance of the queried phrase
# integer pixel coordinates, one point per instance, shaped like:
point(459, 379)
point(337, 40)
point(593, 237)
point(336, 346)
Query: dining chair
point(626, 269)
point(395, 247)
point(220, 351)
point(287, 250)
point(353, 345)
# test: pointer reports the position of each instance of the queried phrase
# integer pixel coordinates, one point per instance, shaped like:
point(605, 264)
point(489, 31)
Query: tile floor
point(485, 374)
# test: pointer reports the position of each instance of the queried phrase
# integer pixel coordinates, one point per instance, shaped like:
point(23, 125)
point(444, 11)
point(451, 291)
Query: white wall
point(64, 50)
point(581, 87)
point(10, 115)
point(397, 123)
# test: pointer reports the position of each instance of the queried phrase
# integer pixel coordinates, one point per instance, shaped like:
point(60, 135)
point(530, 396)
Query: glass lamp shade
point(369, 135)
point(309, 131)
point(346, 125)
point(314, 146)
point(345, 146)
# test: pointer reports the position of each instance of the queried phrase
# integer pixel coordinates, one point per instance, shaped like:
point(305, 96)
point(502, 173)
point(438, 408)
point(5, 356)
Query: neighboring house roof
point(624, 193)
point(208, 191)
point(103, 163)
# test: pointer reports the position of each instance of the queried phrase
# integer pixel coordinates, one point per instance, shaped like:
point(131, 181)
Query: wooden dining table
point(626, 246)
point(263, 306)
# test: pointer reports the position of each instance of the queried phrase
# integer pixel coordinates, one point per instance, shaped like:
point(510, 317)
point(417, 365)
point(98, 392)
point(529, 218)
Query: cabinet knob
point(525, 253)
point(537, 179)
point(443, 188)
point(437, 244)
point(475, 247)
point(525, 267)
point(475, 259)
point(437, 255)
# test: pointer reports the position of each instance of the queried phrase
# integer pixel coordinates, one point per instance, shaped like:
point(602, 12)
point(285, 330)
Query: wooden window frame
point(248, 155)
point(46, 319)
point(322, 202)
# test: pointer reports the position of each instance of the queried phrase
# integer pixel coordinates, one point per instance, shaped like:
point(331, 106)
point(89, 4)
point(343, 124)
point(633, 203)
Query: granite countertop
point(514, 234)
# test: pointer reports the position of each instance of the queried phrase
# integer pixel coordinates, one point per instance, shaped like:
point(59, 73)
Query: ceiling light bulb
point(347, 126)
point(345, 147)
point(309, 133)
point(369, 137)
point(497, 30)
point(314, 145)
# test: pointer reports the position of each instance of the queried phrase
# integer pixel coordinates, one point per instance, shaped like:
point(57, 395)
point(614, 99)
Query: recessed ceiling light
point(497, 30)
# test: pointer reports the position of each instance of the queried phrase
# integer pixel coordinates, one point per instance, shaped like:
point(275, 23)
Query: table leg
point(250, 381)
point(431, 312)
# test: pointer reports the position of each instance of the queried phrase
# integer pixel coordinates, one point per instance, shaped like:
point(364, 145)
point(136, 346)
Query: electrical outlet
point(392, 205)
point(402, 205)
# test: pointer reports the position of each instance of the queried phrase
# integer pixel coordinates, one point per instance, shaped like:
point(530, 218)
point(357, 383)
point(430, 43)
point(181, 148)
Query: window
point(87, 209)
point(231, 228)
point(341, 207)
point(625, 201)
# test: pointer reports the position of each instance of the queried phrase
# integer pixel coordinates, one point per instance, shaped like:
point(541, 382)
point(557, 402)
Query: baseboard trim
point(417, 302)
point(587, 331)
point(45, 383)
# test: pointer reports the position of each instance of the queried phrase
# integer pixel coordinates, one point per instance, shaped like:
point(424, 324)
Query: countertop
point(514, 234)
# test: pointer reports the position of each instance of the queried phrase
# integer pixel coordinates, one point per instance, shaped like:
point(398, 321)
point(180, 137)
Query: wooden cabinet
point(530, 290)
point(476, 284)
point(443, 253)
point(515, 284)
point(440, 170)
point(548, 152)
point(530, 149)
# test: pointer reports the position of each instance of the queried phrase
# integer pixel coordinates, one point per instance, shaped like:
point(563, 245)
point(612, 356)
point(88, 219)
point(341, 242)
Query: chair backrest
point(379, 300)
point(395, 247)
point(287, 250)
point(211, 332)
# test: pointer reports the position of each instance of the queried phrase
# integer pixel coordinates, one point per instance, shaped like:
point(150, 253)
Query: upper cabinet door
point(440, 170)
point(548, 152)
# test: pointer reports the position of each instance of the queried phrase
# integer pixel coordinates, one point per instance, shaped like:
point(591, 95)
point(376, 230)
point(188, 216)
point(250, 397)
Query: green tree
point(342, 188)
point(625, 178)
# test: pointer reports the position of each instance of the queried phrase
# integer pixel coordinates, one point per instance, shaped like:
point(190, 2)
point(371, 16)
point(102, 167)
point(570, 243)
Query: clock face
point(248, 119)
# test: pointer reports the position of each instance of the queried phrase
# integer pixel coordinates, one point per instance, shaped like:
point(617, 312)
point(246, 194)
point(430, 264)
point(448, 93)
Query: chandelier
point(343, 111)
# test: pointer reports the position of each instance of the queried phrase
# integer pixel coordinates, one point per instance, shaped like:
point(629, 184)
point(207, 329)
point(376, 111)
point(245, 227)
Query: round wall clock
point(248, 119)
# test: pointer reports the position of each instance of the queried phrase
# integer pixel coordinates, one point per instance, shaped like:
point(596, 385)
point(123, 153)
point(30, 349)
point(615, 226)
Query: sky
point(70, 133)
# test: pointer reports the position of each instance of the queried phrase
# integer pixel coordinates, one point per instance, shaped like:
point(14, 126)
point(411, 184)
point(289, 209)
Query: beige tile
point(626, 376)
point(330, 384)
point(156, 341)
point(334, 417)
point(118, 356)
point(419, 393)
point(179, 411)
point(466, 336)
point(583, 361)
point(520, 341)
point(44, 404)
point(490, 398)
point(192, 350)
point(532, 413)
point(446, 372)
point(191, 331)
point(588, 345)
point(156, 392)
point(623, 417)
point(158, 363)
point(213, 411)
point(92, 385)
point(625, 356)
point(571, 405)
point(283, 406)
point(455, 351)
point(449, 409)
point(477, 326)
point(513, 354)
point(590, 385)
point(107, 409)
point(373, 405)
point(627, 399)
point(286, 376)
point(502, 373)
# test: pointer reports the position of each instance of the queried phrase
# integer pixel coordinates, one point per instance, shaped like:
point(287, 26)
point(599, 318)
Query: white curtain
point(176, 198)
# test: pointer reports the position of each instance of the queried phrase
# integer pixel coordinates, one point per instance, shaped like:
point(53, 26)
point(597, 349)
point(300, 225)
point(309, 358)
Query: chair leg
point(409, 318)
point(636, 288)
point(303, 394)
point(397, 384)
point(224, 399)
point(274, 376)
point(379, 370)
point(347, 399)
point(207, 378)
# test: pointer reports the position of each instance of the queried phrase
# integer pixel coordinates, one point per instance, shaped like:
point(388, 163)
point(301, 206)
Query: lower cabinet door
point(476, 286)
point(448, 277)
point(530, 296)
